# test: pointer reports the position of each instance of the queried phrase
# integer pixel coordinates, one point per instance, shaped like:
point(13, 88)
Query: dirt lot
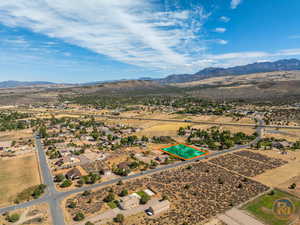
point(161, 129)
point(37, 214)
point(14, 135)
point(17, 174)
point(281, 175)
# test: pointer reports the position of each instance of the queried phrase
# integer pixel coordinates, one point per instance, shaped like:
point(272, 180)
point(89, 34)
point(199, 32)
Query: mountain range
point(259, 67)
point(13, 83)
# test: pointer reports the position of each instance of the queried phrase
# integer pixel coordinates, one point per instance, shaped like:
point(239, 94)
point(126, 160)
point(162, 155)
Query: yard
point(262, 207)
point(16, 175)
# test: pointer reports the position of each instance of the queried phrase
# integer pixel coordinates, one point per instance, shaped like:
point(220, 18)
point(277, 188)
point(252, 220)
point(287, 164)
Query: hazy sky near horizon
point(82, 41)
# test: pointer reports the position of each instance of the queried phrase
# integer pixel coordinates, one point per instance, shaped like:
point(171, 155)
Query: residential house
point(123, 165)
point(73, 174)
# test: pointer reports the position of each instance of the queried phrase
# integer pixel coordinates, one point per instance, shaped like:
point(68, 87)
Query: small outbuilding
point(129, 202)
point(159, 207)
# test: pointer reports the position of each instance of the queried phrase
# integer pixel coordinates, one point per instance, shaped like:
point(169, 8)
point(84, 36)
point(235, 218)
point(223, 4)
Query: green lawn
point(262, 207)
point(142, 193)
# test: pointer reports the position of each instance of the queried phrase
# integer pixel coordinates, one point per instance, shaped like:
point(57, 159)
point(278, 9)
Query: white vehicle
point(149, 213)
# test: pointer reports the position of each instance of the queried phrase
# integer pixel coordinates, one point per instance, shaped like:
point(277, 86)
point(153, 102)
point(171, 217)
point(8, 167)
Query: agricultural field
point(16, 175)
point(262, 208)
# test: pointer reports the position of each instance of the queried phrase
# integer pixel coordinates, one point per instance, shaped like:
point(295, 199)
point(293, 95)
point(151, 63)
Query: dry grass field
point(14, 135)
point(162, 129)
point(280, 175)
point(16, 175)
point(288, 134)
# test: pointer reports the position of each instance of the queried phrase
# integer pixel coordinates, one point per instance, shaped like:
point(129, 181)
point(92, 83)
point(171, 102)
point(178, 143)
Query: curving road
point(54, 198)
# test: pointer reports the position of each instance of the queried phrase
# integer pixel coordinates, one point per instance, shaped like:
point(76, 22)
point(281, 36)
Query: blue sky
point(82, 41)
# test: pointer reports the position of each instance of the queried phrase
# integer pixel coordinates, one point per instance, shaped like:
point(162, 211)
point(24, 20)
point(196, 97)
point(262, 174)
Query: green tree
point(89, 223)
point(72, 205)
point(59, 178)
point(119, 218)
point(123, 193)
point(144, 199)
point(66, 183)
point(79, 216)
point(13, 218)
point(109, 198)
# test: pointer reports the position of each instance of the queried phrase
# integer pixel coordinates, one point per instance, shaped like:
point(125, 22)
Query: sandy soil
point(280, 175)
point(161, 129)
point(36, 211)
point(16, 175)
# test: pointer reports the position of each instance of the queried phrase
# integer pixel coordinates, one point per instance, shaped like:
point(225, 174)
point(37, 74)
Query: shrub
point(66, 183)
point(119, 218)
point(144, 199)
point(79, 216)
point(123, 193)
point(89, 223)
point(109, 198)
point(59, 178)
point(13, 218)
point(72, 205)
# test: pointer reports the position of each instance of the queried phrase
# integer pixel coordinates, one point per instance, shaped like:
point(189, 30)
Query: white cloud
point(220, 30)
point(294, 37)
point(129, 31)
point(242, 58)
point(222, 42)
point(234, 3)
point(225, 19)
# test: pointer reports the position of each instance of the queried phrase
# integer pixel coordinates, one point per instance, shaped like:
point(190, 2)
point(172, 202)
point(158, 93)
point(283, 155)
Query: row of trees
point(215, 138)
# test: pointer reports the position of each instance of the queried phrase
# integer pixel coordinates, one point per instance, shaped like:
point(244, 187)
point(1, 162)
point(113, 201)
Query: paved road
point(53, 197)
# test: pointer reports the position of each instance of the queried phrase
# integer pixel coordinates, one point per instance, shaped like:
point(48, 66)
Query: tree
point(119, 218)
point(66, 183)
point(72, 205)
point(89, 223)
point(293, 186)
point(38, 191)
point(79, 216)
point(86, 193)
point(120, 182)
point(144, 199)
point(43, 132)
point(123, 193)
point(13, 218)
point(59, 178)
point(109, 198)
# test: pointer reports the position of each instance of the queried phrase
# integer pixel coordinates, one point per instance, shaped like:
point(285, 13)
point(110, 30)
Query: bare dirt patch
point(278, 176)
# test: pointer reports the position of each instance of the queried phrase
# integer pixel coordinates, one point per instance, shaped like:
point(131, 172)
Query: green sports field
point(184, 152)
